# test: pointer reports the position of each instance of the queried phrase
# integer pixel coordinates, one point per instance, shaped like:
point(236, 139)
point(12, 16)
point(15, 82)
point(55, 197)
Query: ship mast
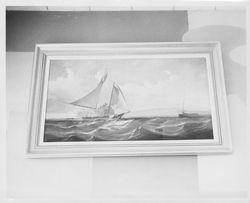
point(117, 102)
point(111, 98)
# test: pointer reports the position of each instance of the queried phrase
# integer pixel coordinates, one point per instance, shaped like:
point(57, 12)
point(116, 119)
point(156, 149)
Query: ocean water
point(111, 129)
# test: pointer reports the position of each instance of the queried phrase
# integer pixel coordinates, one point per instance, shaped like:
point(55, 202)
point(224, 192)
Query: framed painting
point(128, 99)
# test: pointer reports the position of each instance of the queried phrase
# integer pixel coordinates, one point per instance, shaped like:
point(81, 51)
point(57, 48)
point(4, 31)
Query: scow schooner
point(116, 108)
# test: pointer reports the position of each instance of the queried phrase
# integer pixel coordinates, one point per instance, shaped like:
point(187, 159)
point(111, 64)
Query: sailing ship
point(184, 114)
point(116, 108)
point(189, 115)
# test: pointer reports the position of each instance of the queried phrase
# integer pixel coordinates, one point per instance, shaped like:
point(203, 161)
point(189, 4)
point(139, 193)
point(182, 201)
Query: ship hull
point(189, 115)
point(119, 116)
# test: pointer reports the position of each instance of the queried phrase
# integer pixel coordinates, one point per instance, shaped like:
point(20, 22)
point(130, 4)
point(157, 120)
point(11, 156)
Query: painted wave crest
point(108, 129)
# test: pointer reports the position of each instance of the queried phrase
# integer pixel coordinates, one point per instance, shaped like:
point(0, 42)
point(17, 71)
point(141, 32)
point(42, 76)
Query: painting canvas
point(128, 99)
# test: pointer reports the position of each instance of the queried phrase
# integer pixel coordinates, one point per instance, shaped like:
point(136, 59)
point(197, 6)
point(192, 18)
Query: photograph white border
point(46, 52)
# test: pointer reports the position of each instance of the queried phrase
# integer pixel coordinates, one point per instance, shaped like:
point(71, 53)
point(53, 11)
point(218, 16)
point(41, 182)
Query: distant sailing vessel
point(116, 108)
point(184, 114)
point(189, 115)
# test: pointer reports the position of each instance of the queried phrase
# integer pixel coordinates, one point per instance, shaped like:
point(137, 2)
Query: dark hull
point(193, 115)
point(189, 115)
point(119, 116)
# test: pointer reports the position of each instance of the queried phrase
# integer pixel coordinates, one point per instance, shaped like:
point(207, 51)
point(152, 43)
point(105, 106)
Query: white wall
point(226, 172)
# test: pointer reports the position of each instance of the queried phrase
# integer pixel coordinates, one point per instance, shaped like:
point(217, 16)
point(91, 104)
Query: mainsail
point(91, 99)
point(117, 104)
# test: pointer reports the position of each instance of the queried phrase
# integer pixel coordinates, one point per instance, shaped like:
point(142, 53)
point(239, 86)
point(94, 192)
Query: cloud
point(161, 94)
point(146, 84)
point(70, 86)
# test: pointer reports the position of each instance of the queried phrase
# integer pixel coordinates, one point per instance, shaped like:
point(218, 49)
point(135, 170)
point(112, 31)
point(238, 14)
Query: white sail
point(91, 99)
point(117, 104)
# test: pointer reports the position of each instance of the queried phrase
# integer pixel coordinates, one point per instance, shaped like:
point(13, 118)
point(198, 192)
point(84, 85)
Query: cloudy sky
point(146, 83)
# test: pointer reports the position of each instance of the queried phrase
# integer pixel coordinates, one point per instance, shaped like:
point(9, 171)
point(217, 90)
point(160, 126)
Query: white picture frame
point(44, 53)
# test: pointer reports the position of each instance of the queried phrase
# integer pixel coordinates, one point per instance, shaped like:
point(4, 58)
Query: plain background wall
point(123, 177)
point(228, 27)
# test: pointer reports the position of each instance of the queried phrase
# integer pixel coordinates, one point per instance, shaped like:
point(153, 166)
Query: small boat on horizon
point(189, 115)
point(184, 114)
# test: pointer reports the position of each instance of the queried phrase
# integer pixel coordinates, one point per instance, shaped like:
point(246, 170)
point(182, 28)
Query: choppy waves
point(107, 129)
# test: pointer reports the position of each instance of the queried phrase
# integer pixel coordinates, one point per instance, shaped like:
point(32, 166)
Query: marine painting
point(92, 100)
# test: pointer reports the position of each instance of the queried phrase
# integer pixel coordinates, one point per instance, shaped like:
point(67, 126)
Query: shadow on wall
point(25, 29)
point(231, 38)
